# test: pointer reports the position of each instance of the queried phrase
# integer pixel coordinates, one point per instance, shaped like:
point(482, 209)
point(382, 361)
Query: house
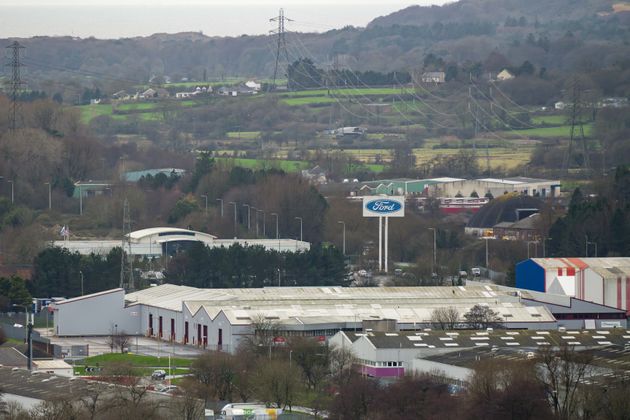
point(560, 105)
point(526, 229)
point(253, 85)
point(225, 91)
point(121, 95)
point(505, 74)
point(315, 175)
point(436, 77)
point(149, 93)
point(350, 132)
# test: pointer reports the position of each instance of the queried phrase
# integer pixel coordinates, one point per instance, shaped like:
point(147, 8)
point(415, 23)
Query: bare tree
point(561, 372)
point(342, 363)
point(481, 317)
point(122, 340)
point(446, 318)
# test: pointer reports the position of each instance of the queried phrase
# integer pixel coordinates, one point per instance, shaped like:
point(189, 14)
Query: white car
point(476, 271)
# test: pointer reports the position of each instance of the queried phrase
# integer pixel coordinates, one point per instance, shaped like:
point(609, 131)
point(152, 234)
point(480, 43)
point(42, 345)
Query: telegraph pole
point(16, 82)
point(282, 43)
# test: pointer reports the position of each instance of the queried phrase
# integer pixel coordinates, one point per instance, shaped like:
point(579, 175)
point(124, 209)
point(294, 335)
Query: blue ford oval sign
point(384, 207)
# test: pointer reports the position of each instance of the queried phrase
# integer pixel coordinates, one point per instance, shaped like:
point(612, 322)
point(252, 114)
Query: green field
point(135, 359)
point(308, 100)
point(563, 131)
point(349, 92)
point(285, 165)
point(549, 119)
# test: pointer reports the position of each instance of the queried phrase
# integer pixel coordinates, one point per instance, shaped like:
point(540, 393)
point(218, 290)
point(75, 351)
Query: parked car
point(476, 271)
point(158, 374)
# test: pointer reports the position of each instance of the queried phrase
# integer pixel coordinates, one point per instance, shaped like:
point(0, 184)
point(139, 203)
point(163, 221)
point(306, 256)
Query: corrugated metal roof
point(622, 263)
point(333, 304)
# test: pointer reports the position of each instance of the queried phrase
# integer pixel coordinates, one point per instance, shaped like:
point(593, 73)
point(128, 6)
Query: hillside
point(555, 35)
point(497, 11)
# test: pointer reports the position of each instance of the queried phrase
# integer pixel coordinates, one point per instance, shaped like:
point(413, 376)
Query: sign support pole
point(380, 244)
point(386, 240)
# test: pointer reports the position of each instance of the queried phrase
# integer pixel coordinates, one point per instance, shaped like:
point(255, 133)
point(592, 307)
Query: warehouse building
point(161, 241)
point(496, 187)
point(221, 318)
point(605, 281)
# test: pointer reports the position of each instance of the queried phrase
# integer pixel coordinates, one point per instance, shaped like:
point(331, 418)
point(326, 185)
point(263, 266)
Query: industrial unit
point(496, 187)
point(159, 241)
point(605, 281)
point(220, 318)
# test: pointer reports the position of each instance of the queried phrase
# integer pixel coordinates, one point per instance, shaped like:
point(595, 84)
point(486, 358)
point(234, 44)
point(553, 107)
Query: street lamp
point(256, 219)
point(543, 244)
point(221, 201)
point(28, 334)
point(264, 232)
point(205, 196)
point(12, 195)
point(344, 236)
point(80, 201)
point(234, 204)
point(248, 216)
point(81, 274)
point(277, 232)
point(434, 261)
point(49, 195)
point(300, 219)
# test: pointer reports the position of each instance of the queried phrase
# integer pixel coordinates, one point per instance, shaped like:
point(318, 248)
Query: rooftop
point(312, 305)
point(521, 339)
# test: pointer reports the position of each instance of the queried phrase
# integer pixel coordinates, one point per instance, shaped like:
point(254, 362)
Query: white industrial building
point(497, 187)
point(220, 318)
point(159, 241)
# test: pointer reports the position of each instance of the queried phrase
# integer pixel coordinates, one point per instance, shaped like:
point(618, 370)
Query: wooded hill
point(561, 34)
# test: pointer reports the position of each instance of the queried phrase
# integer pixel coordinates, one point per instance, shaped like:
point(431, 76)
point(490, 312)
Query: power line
point(16, 83)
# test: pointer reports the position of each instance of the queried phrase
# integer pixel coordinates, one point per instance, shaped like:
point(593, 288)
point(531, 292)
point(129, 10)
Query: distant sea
point(128, 21)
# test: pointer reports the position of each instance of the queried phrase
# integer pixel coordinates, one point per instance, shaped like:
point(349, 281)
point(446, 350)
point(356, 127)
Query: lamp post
point(205, 196)
point(81, 274)
point(487, 264)
point(80, 201)
point(248, 216)
point(28, 333)
point(300, 219)
point(544, 248)
point(12, 195)
point(221, 201)
point(343, 237)
point(49, 195)
point(279, 282)
point(234, 204)
point(277, 232)
point(264, 224)
point(433, 261)
point(256, 219)
point(586, 246)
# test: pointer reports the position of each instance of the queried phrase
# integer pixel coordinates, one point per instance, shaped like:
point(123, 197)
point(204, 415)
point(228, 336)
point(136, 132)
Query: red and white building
point(605, 281)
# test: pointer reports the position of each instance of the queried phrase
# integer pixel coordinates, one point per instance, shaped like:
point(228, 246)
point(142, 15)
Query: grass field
point(549, 119)
point(563, 131)
point(135, 359)
point(285, 165)
point(308, 100)
point(349, 92)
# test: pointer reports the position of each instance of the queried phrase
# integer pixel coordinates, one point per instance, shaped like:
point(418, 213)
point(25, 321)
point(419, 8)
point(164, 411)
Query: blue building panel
point(530, 276)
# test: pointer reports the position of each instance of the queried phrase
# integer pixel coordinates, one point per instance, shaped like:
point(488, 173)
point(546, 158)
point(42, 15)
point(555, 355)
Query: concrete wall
point(95, 315)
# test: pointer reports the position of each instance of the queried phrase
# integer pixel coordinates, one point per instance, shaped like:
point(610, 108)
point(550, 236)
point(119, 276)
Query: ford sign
point(384, 207)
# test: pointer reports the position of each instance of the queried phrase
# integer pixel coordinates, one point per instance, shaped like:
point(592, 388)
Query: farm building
point(401, 186)
point(605, 281)
point(221, 318)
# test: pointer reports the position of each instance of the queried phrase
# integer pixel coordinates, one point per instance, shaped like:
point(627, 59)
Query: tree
point(276, 383)
point(561, 373)
point(481, 317)
point(446, 318)
point(355, 399)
